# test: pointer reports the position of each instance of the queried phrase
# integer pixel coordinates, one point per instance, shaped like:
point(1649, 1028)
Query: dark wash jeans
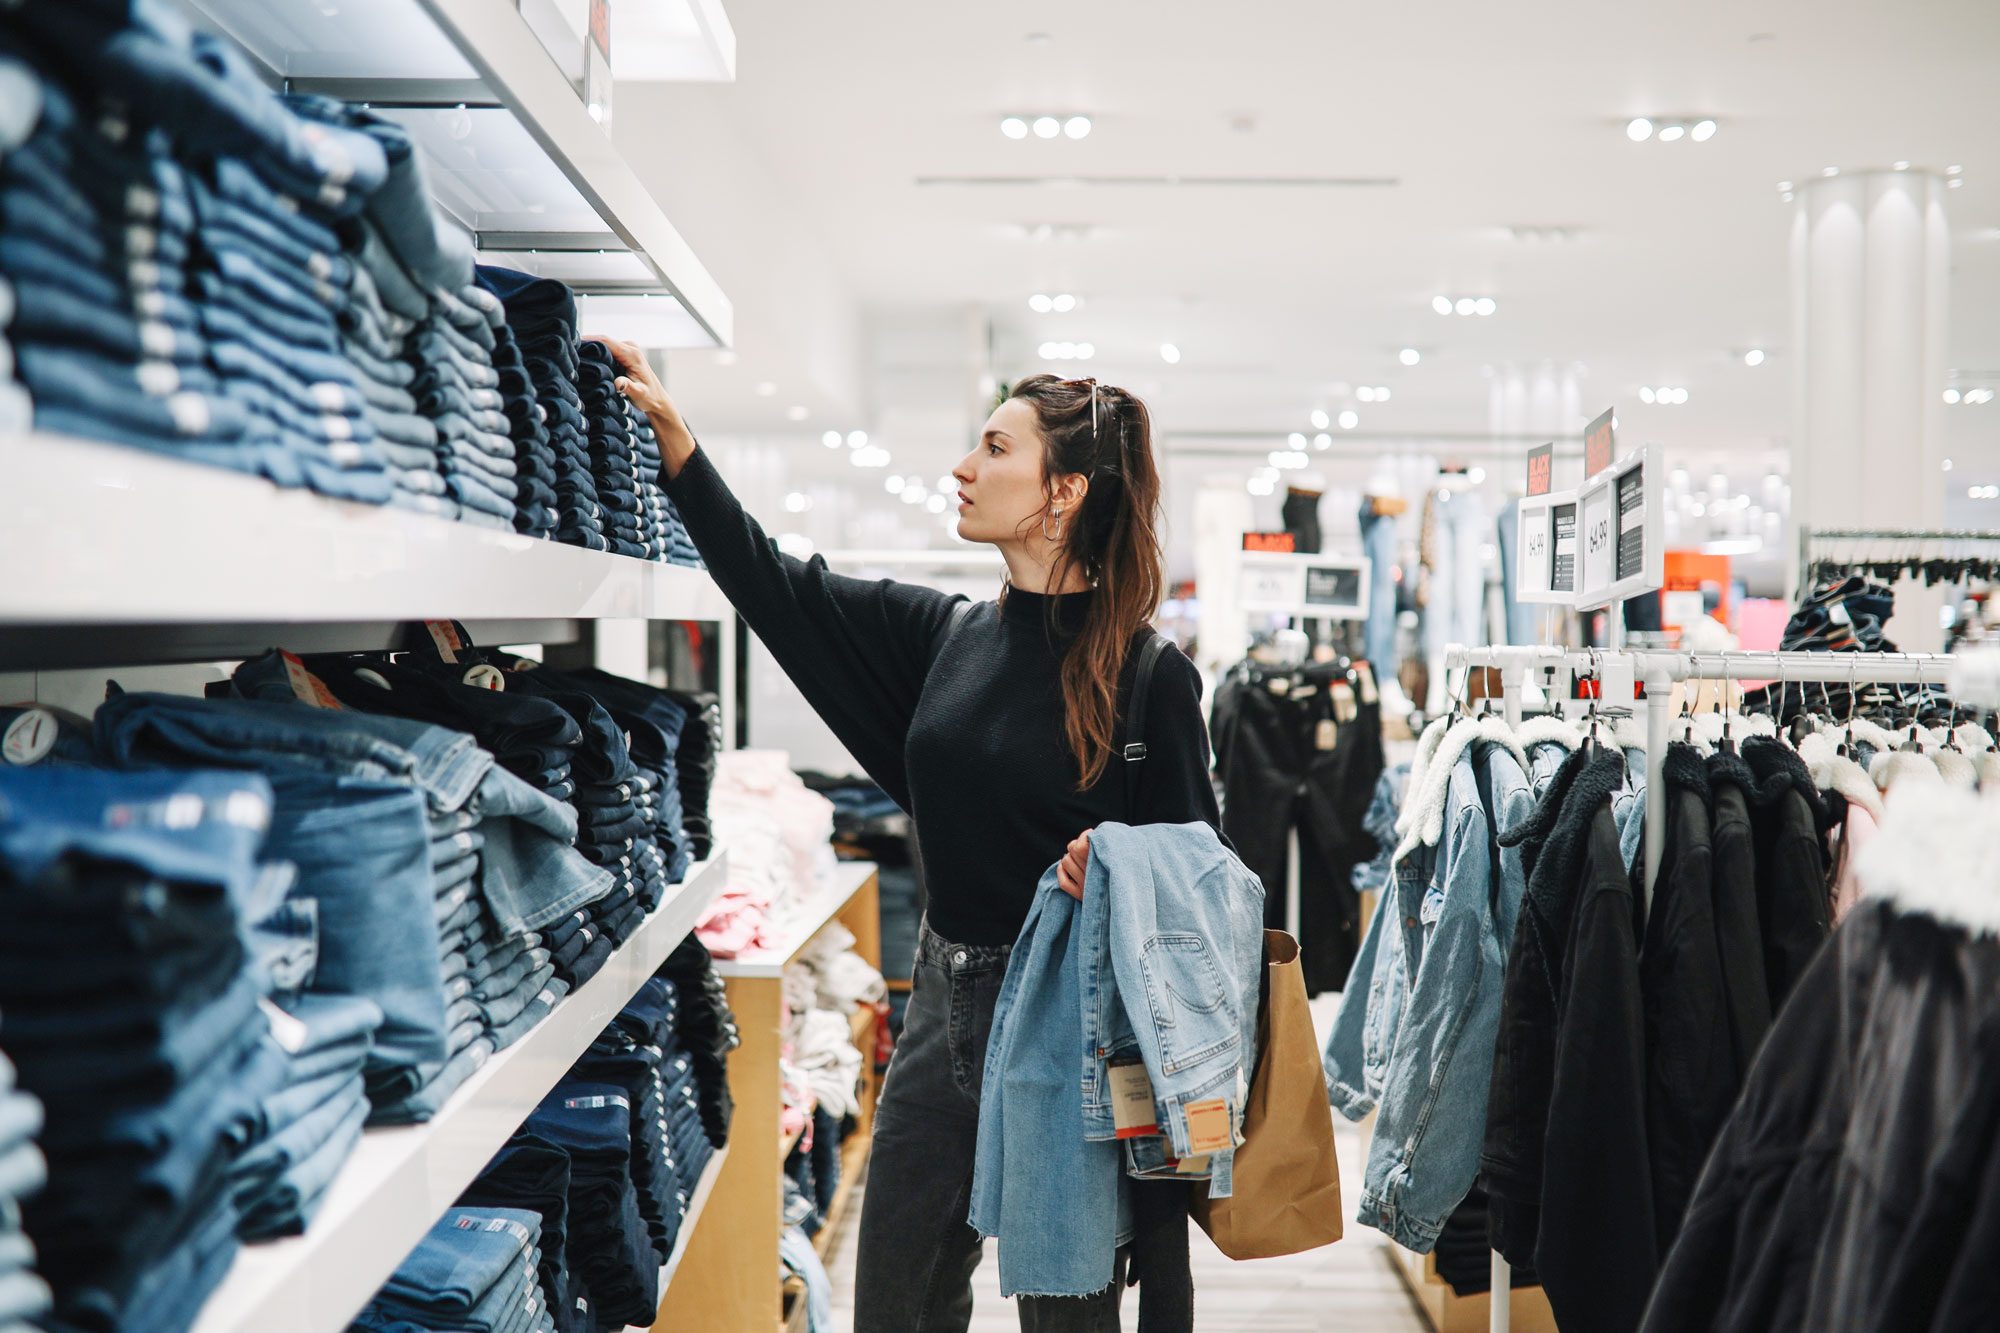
point(917, 1254)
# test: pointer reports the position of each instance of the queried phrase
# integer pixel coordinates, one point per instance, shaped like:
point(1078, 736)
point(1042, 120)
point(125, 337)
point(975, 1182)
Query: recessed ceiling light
point(766, 389)
point(1040, 303)
point(1680, 396)
point(1063, 303)
point(1645, 394)
point(1409, 356)
point(1829, 171)
point(1465, 305)
point(1319, 418)
point(857, 439)
point(1784, 187)
point(1754, 357)
point(1485, 305)
point(1381, 393)
point(1900, 166)
point(1366, 393)
point(796, 412)
point(1954, 182)
point(1077, 127)
point(893, 485)
point(947, 485)
point(1170, 354)
point(1047, 127)
point(1669, 133)
point(1477, 476)
point(1048, 352)
point(1322, 441)
point(1947, 465)
point(1703, 131)
point(1953, 171)
point(1441, 304)
point(1084, 351)
point(831, 439)
point(935, 504)
point(1639, 129)
point(797, 502)
point(1296, 440)
point(1014, 127)
point(1349, 419)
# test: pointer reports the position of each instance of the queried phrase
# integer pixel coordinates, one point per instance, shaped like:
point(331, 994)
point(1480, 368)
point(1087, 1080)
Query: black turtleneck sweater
point(969, 740)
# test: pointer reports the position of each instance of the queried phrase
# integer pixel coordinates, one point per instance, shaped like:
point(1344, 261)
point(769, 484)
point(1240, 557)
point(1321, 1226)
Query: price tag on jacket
point(446, 638)
point(1365, 674)
point(1344, 707)
point(484, 677)
point(1325, 733)
point(309, 688)
point(1208, 1127)
point(1132, 1111)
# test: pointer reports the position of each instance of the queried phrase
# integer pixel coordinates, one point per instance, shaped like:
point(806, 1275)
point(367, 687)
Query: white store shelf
point(455, 54)
point(401, 1179)
point(98, 533)
point(807, 919)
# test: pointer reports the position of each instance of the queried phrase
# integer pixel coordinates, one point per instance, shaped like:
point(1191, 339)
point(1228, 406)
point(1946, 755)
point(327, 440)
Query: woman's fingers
point(629, 358)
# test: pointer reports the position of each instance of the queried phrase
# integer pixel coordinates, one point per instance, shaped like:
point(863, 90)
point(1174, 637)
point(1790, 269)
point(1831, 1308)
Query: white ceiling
point(1487, 117)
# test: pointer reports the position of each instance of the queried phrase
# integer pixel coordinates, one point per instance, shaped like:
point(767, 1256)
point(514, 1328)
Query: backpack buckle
point(1135, 752)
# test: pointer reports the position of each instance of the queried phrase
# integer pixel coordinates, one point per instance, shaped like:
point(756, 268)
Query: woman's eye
point(993, 449)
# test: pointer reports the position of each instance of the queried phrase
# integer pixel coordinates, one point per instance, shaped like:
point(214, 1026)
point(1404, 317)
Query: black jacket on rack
point(1738, 938)
point(1692, 1075)
point(1794, 913)
point(1565, 1164)
point(1270, 726)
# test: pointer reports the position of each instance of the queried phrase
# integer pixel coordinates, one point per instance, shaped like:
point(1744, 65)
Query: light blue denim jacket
point(1165, 958)
point(1433, 1005)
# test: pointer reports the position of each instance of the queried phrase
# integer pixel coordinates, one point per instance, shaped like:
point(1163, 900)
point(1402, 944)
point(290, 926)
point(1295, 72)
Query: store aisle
point(1350, 1285)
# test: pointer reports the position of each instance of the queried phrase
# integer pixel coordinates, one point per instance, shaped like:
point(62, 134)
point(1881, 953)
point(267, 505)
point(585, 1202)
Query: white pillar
point(1871, 259)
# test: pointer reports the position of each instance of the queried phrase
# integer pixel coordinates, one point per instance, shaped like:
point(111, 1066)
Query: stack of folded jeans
point(670, 535)
point(513, 983)
point(308, 1127)
point(378, 321)
point(654, 723)
point(534, 456)
point(20, 108)
point(458, 388)
point(532, 1175)
point(705, 1032)
point(134, 1016)
point(614, 458)
point(542, 314)
point(610, 1248)
point(694, 766)
point(476, 1271)
point(24, 1297)
point(629, 1054)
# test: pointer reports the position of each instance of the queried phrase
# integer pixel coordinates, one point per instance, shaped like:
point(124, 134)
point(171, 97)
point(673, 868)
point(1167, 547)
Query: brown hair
point(1105, 434)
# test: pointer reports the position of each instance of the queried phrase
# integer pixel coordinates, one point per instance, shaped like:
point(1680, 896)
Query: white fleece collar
point(1989, 771)
point(1548, 729)
point(1956, 769)
point(1423, 807)
point(1873, 733)
point(1833, 771)
point(1420, 769)
point(1937, 855)
point(1894, 768)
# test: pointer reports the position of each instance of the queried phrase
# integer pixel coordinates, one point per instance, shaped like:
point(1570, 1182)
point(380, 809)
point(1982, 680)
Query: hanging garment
point(1565, 1162)
point(1301, 515)
point(1288, 759)
point(1739, 940)
point(1856, 1184)
point(1788, 824)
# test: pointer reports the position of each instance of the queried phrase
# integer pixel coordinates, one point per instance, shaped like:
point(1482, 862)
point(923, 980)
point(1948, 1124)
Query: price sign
point(1324, 587)
point(1623, 532)
point(1282, 542)
point(1546, 572)
point(1541, 469)
point(1599, 445)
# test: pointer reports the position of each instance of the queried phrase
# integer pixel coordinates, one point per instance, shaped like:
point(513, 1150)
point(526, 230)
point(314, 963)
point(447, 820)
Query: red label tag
point(446, 639)
point(1541, 469)
point(1208, 1127)
point(1132, 1111)
point(1598, 445)
point(309, 688)
point(1283, 543)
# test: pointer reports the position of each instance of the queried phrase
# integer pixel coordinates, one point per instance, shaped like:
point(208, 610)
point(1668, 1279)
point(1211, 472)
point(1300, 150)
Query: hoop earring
point(1055, 536)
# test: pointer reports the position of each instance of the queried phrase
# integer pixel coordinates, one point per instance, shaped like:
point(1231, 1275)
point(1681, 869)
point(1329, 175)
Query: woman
point(998, 736)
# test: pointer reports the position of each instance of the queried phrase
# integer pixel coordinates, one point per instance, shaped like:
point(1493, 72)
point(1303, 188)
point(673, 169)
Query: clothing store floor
point(1346, 1286)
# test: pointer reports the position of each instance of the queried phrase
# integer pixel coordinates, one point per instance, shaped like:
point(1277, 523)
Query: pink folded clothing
point(734, 923)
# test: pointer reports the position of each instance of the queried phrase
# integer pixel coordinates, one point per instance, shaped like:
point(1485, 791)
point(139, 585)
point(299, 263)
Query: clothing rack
point(1659, 671)
point(1901, 543)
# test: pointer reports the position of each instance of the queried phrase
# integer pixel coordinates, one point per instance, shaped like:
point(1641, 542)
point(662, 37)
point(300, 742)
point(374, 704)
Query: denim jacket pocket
point(1192, 1015)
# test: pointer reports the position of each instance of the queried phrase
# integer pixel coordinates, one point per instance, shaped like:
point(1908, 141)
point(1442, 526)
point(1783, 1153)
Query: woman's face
point(1000, 492)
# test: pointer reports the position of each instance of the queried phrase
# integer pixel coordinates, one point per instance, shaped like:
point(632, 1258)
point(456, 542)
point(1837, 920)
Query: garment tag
point(1208, 1127)
point(1344, 707)
point(1325, 733)
point(446, 638)
point(1837, 612)
point(484, 677)
point(1366, 675)
point(309, 688)
point(1191, 1166)
point(29, 737)
point(1279, 685)
point(290, 1033)
point(1132, 1099)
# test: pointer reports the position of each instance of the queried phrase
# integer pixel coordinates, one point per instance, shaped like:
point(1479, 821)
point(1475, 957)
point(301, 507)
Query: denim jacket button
point(959, 958)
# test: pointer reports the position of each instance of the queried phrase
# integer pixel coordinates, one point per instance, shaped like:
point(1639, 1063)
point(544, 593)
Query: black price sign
point(1632, 523)
point(1335, 586)
point(1562, 570)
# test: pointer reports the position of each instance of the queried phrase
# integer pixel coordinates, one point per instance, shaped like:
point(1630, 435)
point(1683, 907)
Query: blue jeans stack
point(310, 1125)
point(20, 107)
point(24, 1297)
point(133, 1014)
point(614, 458)
point(475, 1271)
point(534, 456)
point(542, 314)
point(654, 722)
point(532, 1174)
point(378, 322)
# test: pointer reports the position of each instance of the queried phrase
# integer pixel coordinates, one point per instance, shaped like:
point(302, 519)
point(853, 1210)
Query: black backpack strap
point(959, 615)
point(1134, 752)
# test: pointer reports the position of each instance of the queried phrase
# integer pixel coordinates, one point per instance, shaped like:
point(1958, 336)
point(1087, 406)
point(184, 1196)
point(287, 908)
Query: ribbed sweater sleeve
point(858, 650)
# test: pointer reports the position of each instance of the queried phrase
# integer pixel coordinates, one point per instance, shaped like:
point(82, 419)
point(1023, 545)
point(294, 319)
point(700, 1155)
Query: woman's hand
point(1075, 865)
point(639, 384)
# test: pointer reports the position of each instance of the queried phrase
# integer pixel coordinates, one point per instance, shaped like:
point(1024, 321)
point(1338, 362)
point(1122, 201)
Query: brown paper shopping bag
point(1286, 1195)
